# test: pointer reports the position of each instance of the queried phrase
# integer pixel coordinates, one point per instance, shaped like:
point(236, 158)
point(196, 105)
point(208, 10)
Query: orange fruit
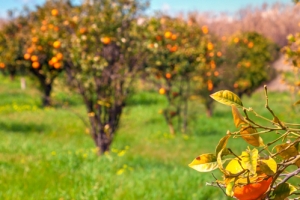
point(158, 38)
point(216, 73)
point(168, 75)
point(34, 39)
point(54, 12)
point(34, 58)
point(210, 46)
point(27, 56)
point(205, 29)
point(162, 91)
point(82, 30)
point(50, 62)
point(56, 44)
point(253, 191)
point(59, 56)
point(173, 48)
point(105, 40)
point(210, 85)
point(56, 28)
point(29, 50)
point(35, 65)
point(50, 26)
point(168, 34)
point(250, 45)
point(174, 37)
point(219, 54)
point(2, 65)
point(57, 65)
point(236, 40)
point(54, 60)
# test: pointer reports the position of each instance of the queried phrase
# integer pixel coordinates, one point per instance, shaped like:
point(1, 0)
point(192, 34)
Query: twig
point(289, 175)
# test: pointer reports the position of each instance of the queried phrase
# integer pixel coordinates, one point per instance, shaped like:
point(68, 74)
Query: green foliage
point(248, 59)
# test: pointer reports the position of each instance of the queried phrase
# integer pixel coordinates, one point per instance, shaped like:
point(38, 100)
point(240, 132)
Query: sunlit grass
point(48, 153)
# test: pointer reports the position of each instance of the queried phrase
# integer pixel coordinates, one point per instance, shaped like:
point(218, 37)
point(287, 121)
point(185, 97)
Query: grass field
point(48, 153)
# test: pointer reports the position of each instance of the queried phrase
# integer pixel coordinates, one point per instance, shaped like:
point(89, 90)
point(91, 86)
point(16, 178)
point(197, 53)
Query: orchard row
point(101, 47)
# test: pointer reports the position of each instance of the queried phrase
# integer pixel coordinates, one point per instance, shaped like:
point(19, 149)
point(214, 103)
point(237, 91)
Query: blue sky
point(166, 5)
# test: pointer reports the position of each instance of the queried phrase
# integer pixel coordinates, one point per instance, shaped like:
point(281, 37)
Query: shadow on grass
point(144, 98)
point(19, 127)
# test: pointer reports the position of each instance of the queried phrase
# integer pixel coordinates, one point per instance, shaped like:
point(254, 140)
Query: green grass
point(48, 154)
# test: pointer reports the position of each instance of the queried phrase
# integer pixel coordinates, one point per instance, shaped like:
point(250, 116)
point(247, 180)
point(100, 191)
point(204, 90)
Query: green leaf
point(249, 134)
point(230, 187)
point(249, 160)
point(283, 190)
point(204, 163)
point(268, 166)
point(222, 145)
point(228, 98)
point(237, 117)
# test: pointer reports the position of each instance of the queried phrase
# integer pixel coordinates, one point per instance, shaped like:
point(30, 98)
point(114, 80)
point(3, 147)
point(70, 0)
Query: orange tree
point(11, 45)
point(248, 59)
point(179, 50)
point(43, 51)
point(292, 54)
point(105, 55)
point(261, 172)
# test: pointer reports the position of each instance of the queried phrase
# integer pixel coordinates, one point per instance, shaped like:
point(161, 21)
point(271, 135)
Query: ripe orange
point(27, 56)
point(56, 44)
point(158, 38)
point(2, 65)
point(236, 40)
point(168, 75)
point(253, 191)
point(50, 62)
point(210, 85)
point(82, 30)
point(59, 56)
point(174, 37)
point(34, 58)
point(162, 91)
point(29, 50)
point(205, 29)
point(57, 65)
point(219, 54)
point(105, 40)
point(250, 45)
point(35, 65)
point(54, 12)
point(174, 48)
point(34, 39)
point(56, 28)
point(210, 46)
point(54, 60)
point(168, 34)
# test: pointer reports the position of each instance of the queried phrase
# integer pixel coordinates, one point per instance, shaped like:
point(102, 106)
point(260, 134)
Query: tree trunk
point(103, 142)
point(46, 100)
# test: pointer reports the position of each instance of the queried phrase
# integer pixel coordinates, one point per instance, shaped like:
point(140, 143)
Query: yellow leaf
point(268, 166)
point(222, 146)
point(249, 135)
point(237, 117)
point(249, 160)
point(204, 163)
point(287, 152)
point(228, 98)
point(234, 166)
